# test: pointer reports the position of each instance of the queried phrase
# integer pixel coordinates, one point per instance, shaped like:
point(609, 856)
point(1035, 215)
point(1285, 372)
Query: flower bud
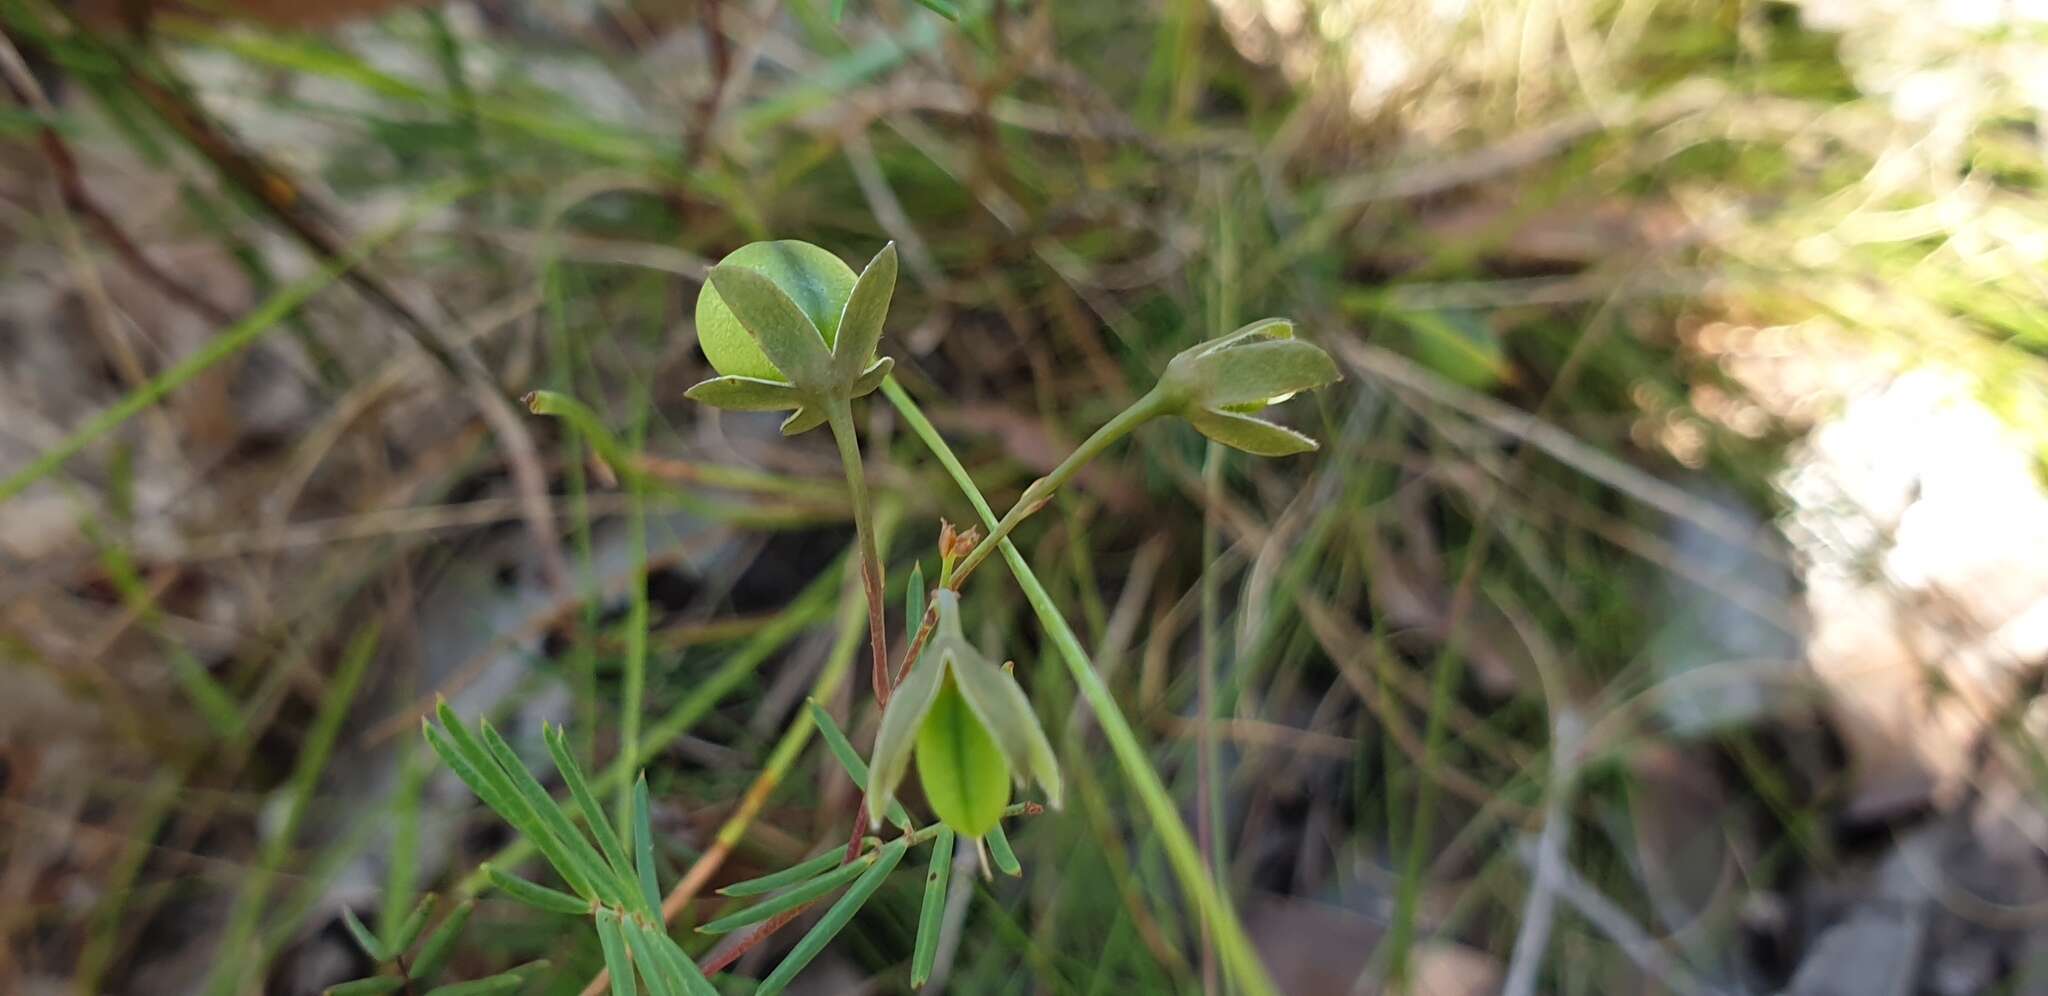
point(1219, 384)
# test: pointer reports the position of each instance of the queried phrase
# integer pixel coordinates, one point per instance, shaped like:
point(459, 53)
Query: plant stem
point(1240, 961)
point(1208, 794)
point(1153, 404)
point(840, 416)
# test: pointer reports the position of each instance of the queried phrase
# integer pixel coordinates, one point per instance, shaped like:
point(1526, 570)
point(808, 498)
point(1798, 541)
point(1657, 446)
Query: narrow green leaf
point(929, 916)
point(795, 873)
point(539, 897)
point(409, 931)
point(965, 778)
point(364, 938)
point(675, 961)
point(943, 8)
point(656, 972)
point(377, 986)
point(785, 901)
point(913, 599)
point(860, 325)
point(901, 720)
point(999, 851)
point(841, 748)
point(785, 334)
point(1254, 436)
point(643, 848)
point(550, 815)
point(611, 939)
point(479, 767)
point(834, 920)
point(441, 942)
point(745, 394)
point(838, 10)
point(593, 814)
point(503, 982)
point(484, 779)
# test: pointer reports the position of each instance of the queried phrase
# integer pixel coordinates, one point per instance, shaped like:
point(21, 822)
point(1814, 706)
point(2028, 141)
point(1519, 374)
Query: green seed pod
point(964, 775)
point(817, 281)
point(790, 328)
point(972, 730)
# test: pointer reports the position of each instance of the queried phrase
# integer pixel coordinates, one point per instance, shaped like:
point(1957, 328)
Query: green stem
point(1239, 959)
point(1208, 791)
point(1154, 404)
point(840, 416)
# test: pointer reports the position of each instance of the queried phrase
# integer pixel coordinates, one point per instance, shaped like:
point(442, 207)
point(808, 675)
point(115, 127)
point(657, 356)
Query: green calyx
point(790, 327)
point(971, 729)
point(1219, 385)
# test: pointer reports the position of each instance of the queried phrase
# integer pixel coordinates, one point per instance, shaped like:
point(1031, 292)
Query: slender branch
point(1035, 497)
point(840, 416)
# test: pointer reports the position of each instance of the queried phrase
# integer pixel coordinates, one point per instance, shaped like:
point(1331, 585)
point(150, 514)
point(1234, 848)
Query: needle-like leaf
point(834, 920)
point(842, 749)
point(791, 899)
point(788, 876)
point(539, 897)
point(616, 961)
point(643, 848)
point(932, 913)
point(440, 943)
point(586, 801)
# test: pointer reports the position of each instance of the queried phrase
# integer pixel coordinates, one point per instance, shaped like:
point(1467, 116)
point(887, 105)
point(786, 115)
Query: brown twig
point(22, 84)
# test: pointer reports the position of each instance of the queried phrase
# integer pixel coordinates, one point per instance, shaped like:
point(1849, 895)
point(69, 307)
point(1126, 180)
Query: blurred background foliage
point(1665, 611)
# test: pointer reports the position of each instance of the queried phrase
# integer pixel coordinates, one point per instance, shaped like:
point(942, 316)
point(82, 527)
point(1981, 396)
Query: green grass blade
point(593, 814)
point(791, 899)
point(612, 940)
point(441, 943)
point(943, 8)
point(795, 873)
point(643, 848)
point(368, 987)
point(267, 317)
point(850, 759)
point(1239, 959)
point(999, 850)
point(834, 921)
point(936, 880)
point(553, 818)
point(408, 930)
point(539, 897)
point(246, 918)
point(364, 939)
